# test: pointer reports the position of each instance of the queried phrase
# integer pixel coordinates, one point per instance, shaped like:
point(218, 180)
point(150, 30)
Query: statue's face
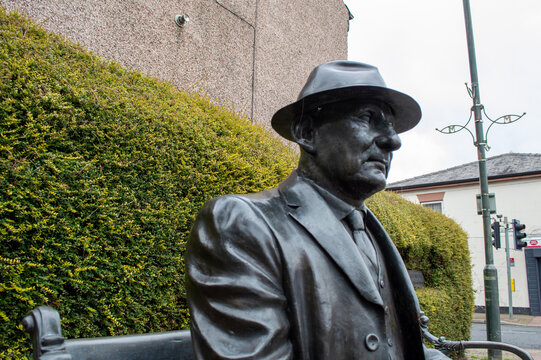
point(353, 147)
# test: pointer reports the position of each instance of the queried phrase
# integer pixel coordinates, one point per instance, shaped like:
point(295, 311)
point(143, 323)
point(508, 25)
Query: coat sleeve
point(237, 304)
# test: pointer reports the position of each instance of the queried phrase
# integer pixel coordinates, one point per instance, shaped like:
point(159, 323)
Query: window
point(434, 205)
point(432, 201)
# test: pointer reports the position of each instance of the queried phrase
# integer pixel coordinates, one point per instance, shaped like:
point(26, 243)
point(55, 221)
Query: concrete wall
point(516, 199)
point(254, 55)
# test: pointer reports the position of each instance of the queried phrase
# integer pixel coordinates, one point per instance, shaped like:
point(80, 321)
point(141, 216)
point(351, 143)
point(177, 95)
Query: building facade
point(515, 179)
point(252, 55)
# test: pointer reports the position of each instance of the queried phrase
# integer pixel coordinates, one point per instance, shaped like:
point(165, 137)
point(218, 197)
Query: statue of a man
point(305, 271)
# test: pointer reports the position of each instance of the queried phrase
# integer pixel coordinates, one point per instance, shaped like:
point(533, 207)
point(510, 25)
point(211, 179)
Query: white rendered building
point(515, 179)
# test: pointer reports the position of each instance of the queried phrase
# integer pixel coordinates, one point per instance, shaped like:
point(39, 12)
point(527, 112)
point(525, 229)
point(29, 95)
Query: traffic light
point(518, 234)
point(496, 234)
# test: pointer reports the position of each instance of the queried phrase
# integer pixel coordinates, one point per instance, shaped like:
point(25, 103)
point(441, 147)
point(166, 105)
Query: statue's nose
point(389, 142)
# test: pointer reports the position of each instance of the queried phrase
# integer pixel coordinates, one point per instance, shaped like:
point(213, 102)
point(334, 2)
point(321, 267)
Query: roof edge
point(463, 181)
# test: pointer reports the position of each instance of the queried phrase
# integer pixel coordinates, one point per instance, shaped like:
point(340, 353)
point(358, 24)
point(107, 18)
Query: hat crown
point(341, 74)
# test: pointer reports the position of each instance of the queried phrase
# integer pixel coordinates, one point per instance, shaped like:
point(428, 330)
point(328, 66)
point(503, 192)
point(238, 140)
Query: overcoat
point(275, 275)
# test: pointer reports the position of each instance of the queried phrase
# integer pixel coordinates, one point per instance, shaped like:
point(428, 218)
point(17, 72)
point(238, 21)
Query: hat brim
point(407, 112)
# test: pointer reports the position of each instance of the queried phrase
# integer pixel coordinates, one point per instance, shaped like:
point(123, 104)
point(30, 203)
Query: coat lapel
point(394, 263)
point(403, 292)
point(310, 210)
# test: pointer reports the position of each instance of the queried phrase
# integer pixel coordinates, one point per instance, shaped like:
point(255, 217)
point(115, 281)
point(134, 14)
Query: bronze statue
point(305, 271)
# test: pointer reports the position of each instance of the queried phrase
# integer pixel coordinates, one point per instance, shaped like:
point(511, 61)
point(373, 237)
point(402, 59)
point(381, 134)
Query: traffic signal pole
point(508, 256)
point(490, 273)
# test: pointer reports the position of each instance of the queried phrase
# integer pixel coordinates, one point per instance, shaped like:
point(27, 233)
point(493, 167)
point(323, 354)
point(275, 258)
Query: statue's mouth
point(378, 164)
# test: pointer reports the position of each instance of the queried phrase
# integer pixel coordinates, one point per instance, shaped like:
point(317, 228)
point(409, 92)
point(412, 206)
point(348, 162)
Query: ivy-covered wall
point(102, 171)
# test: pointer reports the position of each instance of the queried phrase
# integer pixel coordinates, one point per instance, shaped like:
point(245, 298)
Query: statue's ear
point(304, 133)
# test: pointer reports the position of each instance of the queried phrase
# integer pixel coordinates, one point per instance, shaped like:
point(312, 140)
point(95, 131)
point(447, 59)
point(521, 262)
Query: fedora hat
point(346, 80)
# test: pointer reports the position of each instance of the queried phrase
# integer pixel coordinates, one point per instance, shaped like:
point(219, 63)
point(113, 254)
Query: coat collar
point(309, 209)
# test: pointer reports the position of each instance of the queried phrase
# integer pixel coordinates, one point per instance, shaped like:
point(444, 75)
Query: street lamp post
point(479, 140)
point(490, 272)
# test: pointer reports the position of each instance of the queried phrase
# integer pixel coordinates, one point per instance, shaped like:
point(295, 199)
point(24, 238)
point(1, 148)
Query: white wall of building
point(517, 199)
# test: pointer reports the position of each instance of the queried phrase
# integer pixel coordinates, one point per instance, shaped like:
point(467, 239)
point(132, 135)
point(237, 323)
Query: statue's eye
point(365, 116)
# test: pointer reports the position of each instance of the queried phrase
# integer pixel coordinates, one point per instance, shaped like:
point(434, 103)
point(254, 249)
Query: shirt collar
point(338, 206)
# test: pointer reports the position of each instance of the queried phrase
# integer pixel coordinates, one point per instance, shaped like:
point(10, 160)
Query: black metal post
point(490, 272)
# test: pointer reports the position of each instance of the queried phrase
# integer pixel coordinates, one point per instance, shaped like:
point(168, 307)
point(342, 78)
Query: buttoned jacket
point(275, 275)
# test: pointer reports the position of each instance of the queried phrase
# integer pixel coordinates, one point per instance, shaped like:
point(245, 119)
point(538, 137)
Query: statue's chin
point(363, 190)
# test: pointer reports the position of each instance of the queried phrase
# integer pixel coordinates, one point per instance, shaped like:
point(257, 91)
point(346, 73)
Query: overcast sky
point(420, 48)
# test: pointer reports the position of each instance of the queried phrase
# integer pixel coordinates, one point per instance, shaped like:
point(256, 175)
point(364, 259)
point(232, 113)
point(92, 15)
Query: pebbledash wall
point(253, 55)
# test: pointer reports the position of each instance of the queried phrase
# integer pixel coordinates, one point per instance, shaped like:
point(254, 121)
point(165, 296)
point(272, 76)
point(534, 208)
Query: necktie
point(363, 242)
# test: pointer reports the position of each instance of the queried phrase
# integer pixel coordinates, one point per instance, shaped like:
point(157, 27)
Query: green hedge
point(102, 171)
point(434, 244)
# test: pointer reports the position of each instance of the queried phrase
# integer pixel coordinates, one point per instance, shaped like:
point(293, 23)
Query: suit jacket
point(275, 275)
